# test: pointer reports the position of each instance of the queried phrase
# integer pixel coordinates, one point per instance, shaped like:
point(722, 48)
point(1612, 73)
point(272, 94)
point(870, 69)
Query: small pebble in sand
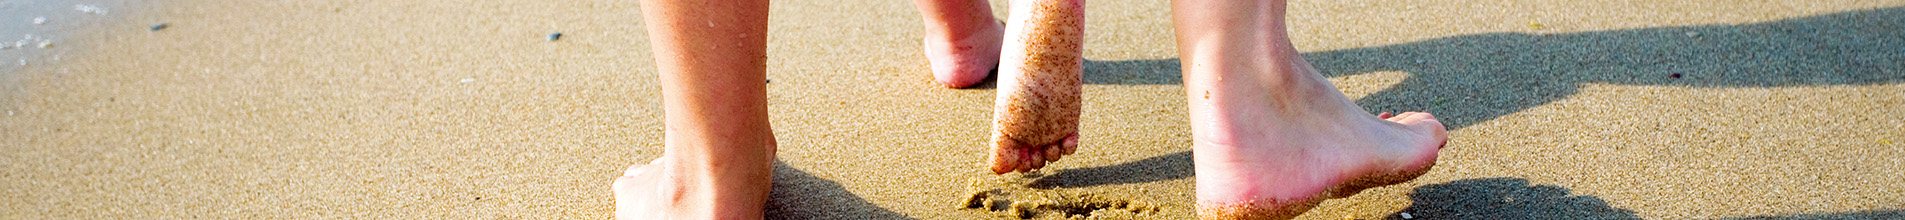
point(157, 27)
point(46, 44)
point(1676, 75)
point(467, 80)
point(555, 36)
point(39, 20)
point(90, 9)
point(1406, 215)
point(1693, 34)
point(770, 81)
point(1420, 61)
point(1535, 25)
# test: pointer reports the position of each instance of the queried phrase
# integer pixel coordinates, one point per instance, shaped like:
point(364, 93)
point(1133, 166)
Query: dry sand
point(462, 109)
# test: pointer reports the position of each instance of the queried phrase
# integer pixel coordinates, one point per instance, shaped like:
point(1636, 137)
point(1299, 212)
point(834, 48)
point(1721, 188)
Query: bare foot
point(1275, 139)
point(638, 194)
point(660, 190)
point(964, 61)
point(1040, 78)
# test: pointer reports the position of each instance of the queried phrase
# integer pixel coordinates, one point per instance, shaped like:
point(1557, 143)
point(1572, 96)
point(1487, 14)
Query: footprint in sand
point(1009, 197)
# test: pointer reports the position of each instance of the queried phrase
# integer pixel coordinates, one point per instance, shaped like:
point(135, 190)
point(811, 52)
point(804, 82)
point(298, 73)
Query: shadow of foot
point(1159, 168)
point(799, 195)
point(1473, 78)
point(1875, 214)
point(1515, 198)
point(1506, 198)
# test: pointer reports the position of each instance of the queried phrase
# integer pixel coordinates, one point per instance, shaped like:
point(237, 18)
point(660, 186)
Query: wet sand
point(406, 109)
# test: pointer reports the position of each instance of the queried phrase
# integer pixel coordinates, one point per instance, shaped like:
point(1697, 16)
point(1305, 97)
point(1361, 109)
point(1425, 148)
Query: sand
point(463, 109)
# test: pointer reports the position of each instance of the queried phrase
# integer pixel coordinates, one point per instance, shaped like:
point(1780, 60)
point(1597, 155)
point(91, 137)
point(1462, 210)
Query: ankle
point(960, 28)
point(692, 190)
point(957, 35)
point(717, 179)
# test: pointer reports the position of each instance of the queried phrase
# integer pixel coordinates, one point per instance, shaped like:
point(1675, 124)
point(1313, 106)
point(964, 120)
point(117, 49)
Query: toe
point(634, 170)
point(1052, 153)
point(630, 189)
point(1036, 161)
point(1005, 162)
point(1384, 115)
point(632, 178)
point(1428, 124)
point(1005, 156)
point(624, 184)
point(1406, 117)
point(1416, 118)
point(625, 196)
point(626, 180)
point(1071, 144)
point(639, 169)
point(1399, 116)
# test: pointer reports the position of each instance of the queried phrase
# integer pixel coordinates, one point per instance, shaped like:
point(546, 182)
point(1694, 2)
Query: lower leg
point(719, 149)
point(1272, 137)
point(961, 40)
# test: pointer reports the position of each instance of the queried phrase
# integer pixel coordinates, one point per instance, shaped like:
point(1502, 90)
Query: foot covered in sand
point(1276, 139)
point(1040, 79)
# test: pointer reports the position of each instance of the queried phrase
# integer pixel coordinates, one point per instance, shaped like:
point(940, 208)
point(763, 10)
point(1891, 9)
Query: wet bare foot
point(1036, 113)
point(964, 61)
point(1274, 139)
point(662, 190)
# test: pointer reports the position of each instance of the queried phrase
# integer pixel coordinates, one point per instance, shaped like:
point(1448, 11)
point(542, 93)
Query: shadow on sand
point(799, 195)
point(1483, 76)
point(1515, 198)
point(1475, 78)
point(1505, 198)
point(1159, 168)
point(1873, 214)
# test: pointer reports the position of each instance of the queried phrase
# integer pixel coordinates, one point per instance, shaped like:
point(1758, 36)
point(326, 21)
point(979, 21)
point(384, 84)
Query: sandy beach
point(456, 109)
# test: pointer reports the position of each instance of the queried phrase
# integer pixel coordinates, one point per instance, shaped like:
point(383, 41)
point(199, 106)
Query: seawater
point(41, 32)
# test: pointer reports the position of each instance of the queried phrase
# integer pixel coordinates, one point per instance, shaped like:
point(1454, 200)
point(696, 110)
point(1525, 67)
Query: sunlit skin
point(1272, 138)
point(718, 149)
point(1035, 115)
